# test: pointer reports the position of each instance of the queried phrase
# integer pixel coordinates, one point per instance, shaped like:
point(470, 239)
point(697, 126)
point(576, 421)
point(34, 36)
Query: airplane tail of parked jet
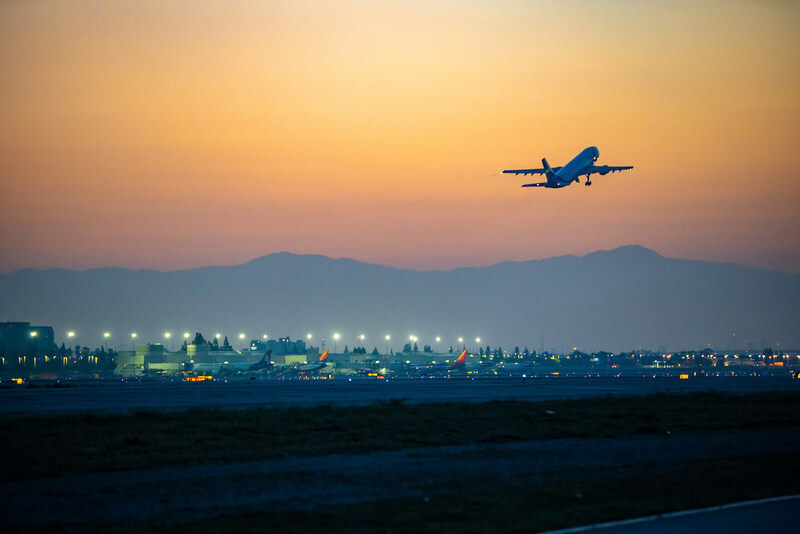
point(264, 363)
point(459, 362)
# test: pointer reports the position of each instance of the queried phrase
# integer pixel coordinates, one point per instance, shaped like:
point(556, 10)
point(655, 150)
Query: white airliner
point(581, 164)
point(316, 366)
point(444, 368)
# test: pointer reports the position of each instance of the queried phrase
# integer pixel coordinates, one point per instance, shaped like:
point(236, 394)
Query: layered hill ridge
point(622, 299)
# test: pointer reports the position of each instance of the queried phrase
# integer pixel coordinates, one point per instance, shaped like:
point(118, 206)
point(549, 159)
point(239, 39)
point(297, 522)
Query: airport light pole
point(388, 337)
point(133, 341)
point(335, 339)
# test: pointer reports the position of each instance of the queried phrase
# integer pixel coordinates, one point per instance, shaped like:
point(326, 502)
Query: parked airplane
point(443, 368)
point(581, 164)
point(264, 363)
point(316, 366)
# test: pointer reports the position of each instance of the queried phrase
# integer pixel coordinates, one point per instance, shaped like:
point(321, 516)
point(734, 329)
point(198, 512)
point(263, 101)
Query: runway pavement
point(115, 396)
point(766, 516)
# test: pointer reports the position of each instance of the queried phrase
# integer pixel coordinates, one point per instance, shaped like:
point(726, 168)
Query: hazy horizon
point(477, 265)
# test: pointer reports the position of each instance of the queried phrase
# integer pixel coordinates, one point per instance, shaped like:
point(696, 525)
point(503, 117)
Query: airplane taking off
point(581, 164)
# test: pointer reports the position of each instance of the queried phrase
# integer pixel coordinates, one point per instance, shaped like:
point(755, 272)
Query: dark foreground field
point(394, 467)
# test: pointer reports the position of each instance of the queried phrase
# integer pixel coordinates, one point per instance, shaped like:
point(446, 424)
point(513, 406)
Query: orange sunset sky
point(173, 135)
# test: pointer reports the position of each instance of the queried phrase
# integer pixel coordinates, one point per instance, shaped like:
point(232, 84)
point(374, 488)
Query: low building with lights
point(22, 344)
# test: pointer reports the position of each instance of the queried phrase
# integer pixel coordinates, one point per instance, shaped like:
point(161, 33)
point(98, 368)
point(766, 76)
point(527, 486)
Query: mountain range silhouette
point(623, 299)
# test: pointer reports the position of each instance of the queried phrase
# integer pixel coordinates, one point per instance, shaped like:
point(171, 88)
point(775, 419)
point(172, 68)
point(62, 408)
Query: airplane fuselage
point(578, 166)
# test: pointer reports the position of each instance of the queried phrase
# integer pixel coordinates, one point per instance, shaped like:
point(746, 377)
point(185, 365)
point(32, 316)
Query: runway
point(119, 396)
point(766, 516)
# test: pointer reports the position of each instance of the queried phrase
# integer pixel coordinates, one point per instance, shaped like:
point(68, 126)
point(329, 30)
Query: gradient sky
point(173, 135)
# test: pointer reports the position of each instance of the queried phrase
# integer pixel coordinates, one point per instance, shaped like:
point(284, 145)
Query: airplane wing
point(540, 184)
point(530, 171)
point(605, 169)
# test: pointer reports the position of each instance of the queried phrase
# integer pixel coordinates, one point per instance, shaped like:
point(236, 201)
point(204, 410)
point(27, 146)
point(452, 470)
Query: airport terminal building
point(21, 342)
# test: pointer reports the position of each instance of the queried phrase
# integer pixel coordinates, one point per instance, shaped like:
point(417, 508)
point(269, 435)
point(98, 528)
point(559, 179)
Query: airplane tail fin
point(548, 171)
point(459, 362)
point(324, 356)
point(267, 357)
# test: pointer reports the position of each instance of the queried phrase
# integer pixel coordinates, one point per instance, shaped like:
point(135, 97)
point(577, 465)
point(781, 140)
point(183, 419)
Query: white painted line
point(625, 522)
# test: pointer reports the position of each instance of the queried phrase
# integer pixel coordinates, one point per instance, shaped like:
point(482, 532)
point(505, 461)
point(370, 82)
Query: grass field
point(57, 446)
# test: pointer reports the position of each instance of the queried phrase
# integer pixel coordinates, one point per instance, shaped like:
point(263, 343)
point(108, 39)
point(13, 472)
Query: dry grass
point(50, 446)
